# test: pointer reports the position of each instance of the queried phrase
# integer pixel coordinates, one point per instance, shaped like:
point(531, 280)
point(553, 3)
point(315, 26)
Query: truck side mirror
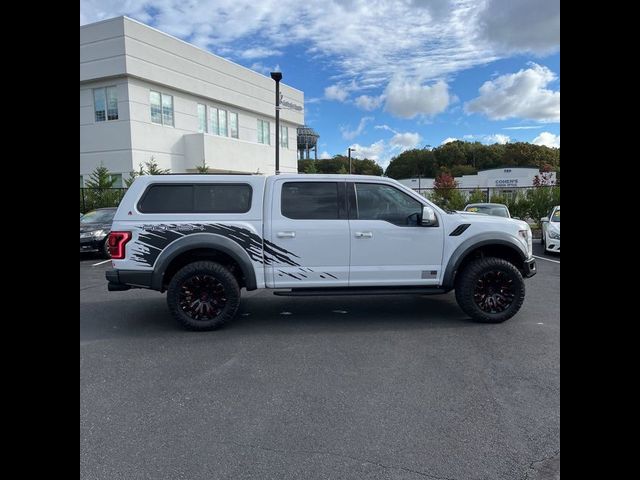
point(429, 218)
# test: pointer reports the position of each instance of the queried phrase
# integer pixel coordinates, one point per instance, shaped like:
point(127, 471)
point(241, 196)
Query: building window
point(263, 132)
point(213, 120)
point(202, 118)
point(233, 124)
point(284, 137)
point(167, 109)
point(117, 180)
point(161, 108)
point(156, 107)
point(105, 102)
point(222, 123)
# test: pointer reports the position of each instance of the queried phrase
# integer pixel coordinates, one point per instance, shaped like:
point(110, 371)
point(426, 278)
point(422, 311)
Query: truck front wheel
point(490, 290)
point(203, 295)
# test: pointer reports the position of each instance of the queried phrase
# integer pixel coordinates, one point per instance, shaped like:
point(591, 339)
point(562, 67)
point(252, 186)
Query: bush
point(541, 200)
point(519, 205)
point(449, 199)
point(477, 196)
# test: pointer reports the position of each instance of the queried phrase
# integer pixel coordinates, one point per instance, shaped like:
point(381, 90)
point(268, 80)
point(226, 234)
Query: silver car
point(495, 209)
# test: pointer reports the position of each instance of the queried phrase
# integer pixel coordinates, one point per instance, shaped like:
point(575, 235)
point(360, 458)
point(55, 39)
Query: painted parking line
point(100, 263)
point(547, 259)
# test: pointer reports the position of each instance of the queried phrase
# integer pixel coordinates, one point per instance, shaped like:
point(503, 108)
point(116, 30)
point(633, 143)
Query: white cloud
point(264, 69)
point(522, 94)
point(324, 155)
point(448, 140)
point(442, 37)
point(385, 127)
point(406, 98)
point(336, 92)
point(373, 152)
point(351, 134)
point(548, 139)
point(406, 140)
point(382, 152)
point(368, 103)
point(488, 139)
point(497, 138)
point(521, 25)
point(525, 127)
point(259, 52)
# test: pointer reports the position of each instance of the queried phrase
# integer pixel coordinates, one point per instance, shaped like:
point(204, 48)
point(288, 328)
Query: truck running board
point(317, 292)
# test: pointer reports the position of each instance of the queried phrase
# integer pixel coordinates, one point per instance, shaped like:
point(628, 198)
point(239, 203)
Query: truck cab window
point(383, 202)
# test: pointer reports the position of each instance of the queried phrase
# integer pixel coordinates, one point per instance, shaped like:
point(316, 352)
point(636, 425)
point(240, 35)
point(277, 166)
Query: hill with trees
point(467, 158)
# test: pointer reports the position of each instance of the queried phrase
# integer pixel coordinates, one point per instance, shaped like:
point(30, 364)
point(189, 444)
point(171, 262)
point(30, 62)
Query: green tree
point(99, 191)
point(133, 175)
point(465, 158)
point(100, 178)
point(446, 194)
point(340, 164)
point(152, 168)
point(310, 167)
point(411, 163)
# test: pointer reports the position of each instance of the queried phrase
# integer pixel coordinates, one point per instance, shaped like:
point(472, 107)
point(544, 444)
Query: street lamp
point(349, 150)
point(277, 76)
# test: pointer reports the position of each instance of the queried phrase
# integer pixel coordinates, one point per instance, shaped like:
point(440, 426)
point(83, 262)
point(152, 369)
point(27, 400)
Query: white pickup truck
point(202, 238)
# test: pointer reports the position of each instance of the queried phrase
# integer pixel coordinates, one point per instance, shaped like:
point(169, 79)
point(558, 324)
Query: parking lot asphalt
point(387, 387)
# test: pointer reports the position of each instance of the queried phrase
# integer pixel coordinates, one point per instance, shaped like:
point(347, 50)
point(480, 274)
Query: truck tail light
point(116, 242)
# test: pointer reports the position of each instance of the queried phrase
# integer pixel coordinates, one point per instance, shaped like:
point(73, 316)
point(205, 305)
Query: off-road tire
point(216, 283)
point(471, 289)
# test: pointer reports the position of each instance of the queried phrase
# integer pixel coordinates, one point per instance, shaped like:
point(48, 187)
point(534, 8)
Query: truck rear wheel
point(490, 290)
point(203, 295)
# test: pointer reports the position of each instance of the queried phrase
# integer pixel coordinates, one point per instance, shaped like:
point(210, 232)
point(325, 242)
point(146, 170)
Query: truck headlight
point(526, 236)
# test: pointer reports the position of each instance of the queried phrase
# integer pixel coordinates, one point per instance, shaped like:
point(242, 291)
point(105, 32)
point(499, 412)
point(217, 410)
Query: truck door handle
point(364, 235)
point(286, 234)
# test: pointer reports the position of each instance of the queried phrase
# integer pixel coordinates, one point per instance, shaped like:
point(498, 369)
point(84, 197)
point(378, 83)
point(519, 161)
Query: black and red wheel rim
point(202, 297)
point(495, 291)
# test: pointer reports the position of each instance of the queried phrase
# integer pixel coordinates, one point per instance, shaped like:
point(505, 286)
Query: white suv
point(551, 231)
point(202, 238)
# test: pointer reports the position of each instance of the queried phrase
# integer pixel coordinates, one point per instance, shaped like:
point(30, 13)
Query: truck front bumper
point(529, 268)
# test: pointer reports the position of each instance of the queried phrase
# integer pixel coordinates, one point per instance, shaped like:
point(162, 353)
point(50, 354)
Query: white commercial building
point(145, 94)
point(502, 181)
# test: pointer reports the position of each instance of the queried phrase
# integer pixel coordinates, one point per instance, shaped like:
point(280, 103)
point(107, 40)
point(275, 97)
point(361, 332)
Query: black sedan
point(94, 230)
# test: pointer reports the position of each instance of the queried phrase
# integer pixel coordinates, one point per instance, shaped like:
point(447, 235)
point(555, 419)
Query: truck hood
point(473, 217)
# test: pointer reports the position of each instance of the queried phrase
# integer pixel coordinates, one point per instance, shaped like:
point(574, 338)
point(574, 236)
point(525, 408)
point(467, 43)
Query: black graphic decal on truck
point(154, 238)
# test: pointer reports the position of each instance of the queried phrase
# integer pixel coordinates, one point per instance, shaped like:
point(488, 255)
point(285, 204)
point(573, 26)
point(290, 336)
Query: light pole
point(349, 150)
point(277, 76)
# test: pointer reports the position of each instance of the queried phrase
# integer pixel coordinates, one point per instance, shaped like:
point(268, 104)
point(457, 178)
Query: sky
point(386, 76)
